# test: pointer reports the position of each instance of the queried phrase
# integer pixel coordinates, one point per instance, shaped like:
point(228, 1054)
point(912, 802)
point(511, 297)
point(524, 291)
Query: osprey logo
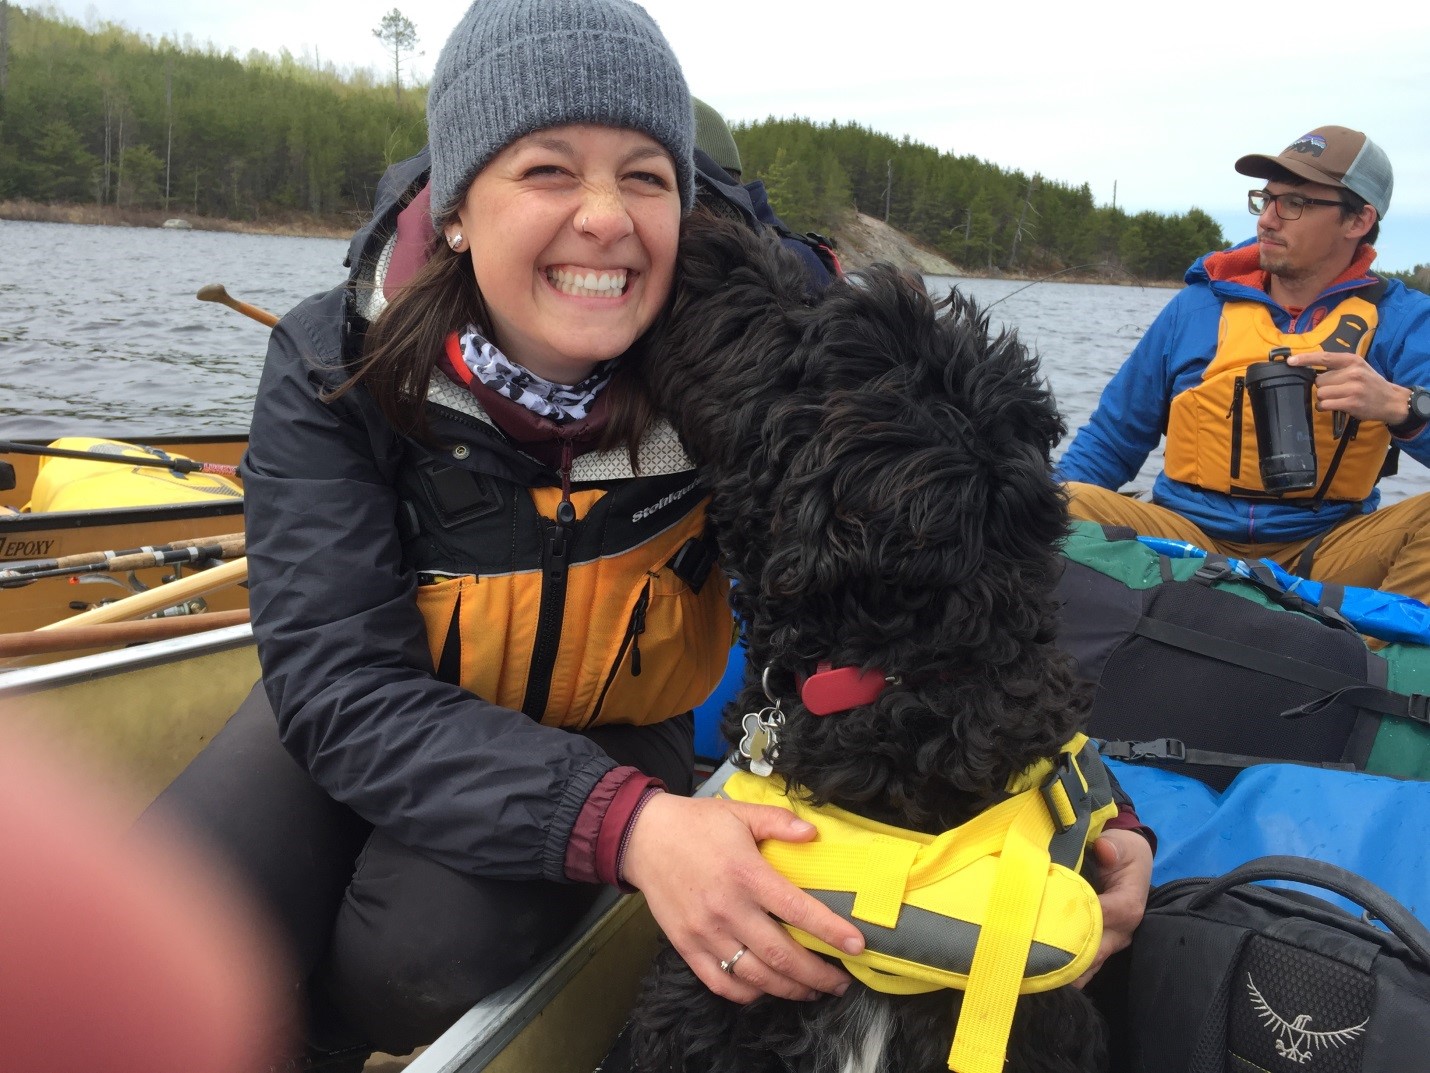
point(1308, 143)
point(1294, 1039)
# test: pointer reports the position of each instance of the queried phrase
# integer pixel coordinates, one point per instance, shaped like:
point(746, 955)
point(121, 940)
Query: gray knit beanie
point(512, 67)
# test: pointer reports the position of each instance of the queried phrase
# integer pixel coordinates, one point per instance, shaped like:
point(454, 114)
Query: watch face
point(1420, 404)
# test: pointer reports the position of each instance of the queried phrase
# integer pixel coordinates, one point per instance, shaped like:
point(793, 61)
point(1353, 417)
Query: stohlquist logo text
point(664, 501)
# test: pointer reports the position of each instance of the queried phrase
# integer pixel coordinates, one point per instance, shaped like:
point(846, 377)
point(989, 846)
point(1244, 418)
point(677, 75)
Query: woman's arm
point(480, 788)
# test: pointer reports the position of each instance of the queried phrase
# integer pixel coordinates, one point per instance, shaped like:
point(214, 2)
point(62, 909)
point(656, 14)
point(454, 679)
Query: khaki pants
point(1388, 549)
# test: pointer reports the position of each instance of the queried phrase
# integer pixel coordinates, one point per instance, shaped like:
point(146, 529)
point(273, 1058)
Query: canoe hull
point(137, 715)
point(26, 537)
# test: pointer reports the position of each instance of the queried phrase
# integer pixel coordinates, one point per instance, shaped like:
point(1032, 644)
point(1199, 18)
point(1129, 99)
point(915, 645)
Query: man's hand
point(1347, 383)
point(1124, 871)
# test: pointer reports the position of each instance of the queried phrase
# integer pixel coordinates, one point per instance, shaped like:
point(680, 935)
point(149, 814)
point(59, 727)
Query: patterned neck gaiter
point(557, 402)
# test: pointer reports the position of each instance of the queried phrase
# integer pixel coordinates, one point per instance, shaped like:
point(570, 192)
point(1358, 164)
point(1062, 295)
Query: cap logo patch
point(1308, 143)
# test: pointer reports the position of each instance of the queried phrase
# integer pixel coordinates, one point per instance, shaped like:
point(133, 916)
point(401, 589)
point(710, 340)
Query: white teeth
point(587, 284)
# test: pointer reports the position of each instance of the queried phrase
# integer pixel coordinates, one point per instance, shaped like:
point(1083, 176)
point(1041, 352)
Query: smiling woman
point(572, 234)
point(481, 583)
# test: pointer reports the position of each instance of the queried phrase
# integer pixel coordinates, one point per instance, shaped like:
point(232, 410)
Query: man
point(1303, 284)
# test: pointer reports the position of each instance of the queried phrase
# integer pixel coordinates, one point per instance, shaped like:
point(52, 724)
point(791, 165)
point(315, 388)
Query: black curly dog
point(882, 495)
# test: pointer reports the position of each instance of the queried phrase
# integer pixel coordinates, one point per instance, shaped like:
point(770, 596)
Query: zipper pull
point(1236, 393)
point(638, 628)
point(565, 510)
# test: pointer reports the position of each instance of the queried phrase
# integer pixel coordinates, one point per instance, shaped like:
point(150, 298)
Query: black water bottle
point(1281, 407)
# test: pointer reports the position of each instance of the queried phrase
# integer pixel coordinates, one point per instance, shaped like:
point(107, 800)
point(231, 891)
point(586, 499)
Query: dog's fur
point(882, 495)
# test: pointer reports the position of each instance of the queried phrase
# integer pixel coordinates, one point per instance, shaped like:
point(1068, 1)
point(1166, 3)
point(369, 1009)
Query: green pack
point(1200, 669)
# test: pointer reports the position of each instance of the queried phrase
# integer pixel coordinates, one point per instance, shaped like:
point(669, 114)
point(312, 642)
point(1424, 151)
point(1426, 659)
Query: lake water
point(100, 332)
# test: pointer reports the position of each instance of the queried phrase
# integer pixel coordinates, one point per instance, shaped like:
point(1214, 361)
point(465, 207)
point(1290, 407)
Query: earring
point(455, 241)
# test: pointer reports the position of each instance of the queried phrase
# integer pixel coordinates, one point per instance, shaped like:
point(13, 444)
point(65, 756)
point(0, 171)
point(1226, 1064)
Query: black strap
point(1308, 554)
point(1218, 568)
point(1377, 902)
point(1347, 434)
point(1208, 1053)
point(1175, 751)
point(1339, 687)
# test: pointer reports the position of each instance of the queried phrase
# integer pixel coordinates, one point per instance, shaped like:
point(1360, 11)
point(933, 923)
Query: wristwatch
point(1418, 415)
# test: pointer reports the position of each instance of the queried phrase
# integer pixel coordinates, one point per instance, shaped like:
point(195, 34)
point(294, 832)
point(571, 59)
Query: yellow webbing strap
point(980, 1042)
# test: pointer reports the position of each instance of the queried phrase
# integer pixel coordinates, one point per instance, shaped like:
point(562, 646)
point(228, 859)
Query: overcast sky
point(1146, 106)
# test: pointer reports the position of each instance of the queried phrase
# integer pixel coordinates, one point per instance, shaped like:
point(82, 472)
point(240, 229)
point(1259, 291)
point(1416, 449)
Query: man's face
point(1300, 248)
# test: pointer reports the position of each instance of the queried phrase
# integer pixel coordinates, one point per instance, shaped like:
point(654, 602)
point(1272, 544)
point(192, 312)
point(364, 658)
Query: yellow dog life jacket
point(994, 907)
point(1211, 437)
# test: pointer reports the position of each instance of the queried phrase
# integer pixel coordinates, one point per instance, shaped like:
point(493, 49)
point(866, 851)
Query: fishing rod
point(1064, 271)
point(192, 552)
point(84, 558)
point(215, 292)
point(177, 465)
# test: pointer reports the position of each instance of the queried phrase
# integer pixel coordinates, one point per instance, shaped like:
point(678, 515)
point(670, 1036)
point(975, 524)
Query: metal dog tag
point(760, 744)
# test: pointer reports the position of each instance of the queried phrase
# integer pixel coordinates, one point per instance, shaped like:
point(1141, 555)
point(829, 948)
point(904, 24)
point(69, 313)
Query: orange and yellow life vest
point(577, 611)
point(1211, 436)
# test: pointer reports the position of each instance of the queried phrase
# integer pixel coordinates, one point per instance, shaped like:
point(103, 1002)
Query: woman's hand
point(696, 862)
point(1124, 868)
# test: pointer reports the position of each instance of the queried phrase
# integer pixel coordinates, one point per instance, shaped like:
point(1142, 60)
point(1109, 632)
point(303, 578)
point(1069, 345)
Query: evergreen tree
point(399, 34)
point(140, 170)
point(61, 167)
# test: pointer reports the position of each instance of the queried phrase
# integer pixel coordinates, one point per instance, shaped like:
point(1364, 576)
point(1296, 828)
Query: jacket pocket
point(672, 653)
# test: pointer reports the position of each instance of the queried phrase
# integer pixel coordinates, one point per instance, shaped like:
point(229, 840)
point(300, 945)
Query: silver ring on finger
point(728, 967)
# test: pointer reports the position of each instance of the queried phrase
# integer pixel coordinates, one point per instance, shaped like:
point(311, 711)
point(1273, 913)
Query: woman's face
point(573, 232)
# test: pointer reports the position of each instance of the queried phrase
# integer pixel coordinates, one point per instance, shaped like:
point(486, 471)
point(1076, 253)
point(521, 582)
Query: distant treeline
point(974, 213)
point(114, 118)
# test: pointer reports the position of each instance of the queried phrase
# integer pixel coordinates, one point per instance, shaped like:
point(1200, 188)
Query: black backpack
point(1202, 670)
point(1230, 977)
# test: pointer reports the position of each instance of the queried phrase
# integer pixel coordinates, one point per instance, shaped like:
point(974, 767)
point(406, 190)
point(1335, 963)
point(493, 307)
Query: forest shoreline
point(863, 241)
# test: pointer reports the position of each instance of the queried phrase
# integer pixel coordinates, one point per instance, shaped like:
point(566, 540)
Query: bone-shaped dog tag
point(760, 743)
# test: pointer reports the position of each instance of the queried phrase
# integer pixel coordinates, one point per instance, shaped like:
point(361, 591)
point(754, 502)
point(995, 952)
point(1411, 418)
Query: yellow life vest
point(995, 907)
point(1211, 437)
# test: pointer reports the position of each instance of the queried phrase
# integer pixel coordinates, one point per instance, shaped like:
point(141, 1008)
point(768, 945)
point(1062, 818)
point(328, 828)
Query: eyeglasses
point(1288, 206)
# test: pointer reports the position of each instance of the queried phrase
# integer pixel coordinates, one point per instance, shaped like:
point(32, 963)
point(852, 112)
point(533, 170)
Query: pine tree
point(398, 33)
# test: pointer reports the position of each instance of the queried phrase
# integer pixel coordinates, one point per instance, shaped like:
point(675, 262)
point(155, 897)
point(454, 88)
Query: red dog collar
point(837, 689)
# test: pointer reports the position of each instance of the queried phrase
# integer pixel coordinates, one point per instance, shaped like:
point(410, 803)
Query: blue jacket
point(1171, 357)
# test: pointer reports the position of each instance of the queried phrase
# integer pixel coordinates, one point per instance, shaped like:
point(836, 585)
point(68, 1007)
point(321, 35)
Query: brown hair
point(401, 348)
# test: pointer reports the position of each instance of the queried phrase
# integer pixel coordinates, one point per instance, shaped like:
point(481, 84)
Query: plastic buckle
point(1072, 786)
point(1160, 749)
point(1211, 572)
point(1419, 708)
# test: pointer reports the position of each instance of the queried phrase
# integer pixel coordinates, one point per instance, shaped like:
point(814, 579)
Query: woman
point(476, 568)
point(470, 555)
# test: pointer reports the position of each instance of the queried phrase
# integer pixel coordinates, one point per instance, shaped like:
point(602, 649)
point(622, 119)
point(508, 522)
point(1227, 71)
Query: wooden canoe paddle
point(215, 292)
point(160, 597)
